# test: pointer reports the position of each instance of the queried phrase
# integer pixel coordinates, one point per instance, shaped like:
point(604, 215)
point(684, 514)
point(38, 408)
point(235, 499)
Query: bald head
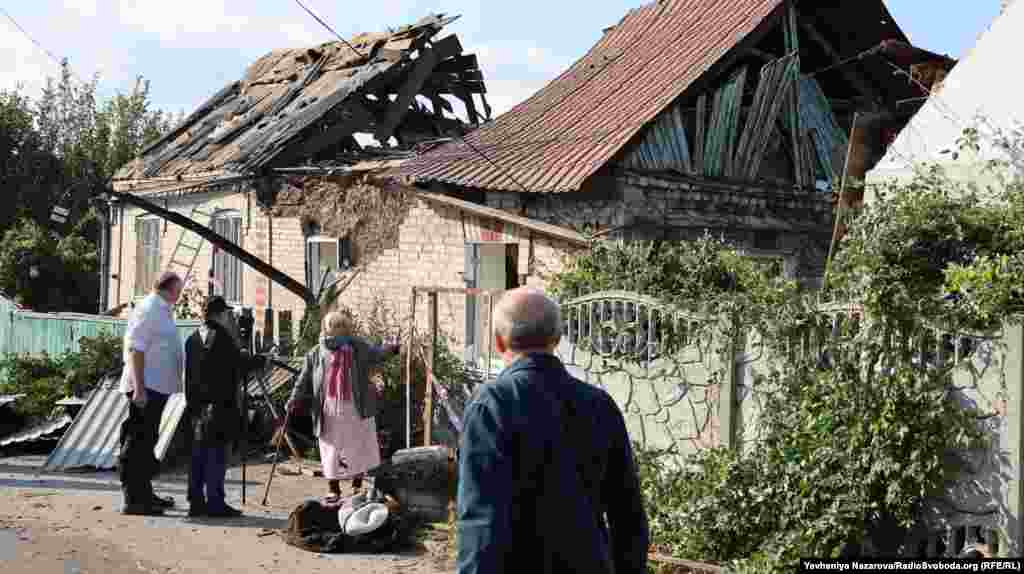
point(526, 319)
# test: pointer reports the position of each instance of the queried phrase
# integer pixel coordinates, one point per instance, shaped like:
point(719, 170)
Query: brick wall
point(430, 251)
point(124, 241)
point(800, 225)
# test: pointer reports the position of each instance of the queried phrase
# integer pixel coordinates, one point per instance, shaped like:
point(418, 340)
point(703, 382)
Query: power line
point(29, 36)
point(325, 25)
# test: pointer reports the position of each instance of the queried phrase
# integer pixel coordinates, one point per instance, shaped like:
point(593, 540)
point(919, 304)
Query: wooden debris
point(295, 104)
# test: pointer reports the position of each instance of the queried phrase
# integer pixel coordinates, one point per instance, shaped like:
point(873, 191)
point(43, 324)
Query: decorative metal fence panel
point(655, 360)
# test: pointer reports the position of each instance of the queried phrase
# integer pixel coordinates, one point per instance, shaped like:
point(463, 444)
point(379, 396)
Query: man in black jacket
point(213, 372)
point(547, 479)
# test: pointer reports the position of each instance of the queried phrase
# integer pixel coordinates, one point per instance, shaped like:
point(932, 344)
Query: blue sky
point(189, 49)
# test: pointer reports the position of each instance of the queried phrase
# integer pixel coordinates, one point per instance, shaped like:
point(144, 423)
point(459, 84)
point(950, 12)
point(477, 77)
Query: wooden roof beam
point(857, 80)
point(423, 67)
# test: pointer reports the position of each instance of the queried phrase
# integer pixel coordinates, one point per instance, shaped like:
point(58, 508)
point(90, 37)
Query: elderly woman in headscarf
point(335, 387)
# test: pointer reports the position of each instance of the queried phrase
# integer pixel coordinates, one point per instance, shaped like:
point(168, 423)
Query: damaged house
point(296, 112)
point(690, 115)
point(687, 116)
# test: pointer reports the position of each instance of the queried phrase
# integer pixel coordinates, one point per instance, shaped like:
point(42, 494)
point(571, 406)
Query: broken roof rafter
point(278, 113)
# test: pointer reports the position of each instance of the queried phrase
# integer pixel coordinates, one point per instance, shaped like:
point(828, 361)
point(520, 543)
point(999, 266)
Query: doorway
point(487, 266)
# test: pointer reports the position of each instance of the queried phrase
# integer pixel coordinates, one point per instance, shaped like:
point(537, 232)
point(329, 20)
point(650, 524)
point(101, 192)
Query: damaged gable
point(293, 106)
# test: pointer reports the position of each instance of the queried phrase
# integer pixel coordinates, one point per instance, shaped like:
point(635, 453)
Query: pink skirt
point(349, 437)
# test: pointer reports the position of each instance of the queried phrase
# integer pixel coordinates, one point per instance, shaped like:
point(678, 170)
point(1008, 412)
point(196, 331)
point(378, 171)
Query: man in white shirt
point(153, 365)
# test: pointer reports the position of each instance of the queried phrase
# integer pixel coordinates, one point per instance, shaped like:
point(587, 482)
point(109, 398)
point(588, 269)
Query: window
point(227, 269)
point(326, 255)
point(147, 254)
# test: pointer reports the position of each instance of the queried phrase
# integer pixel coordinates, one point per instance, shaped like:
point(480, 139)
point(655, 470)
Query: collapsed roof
point(299, 105)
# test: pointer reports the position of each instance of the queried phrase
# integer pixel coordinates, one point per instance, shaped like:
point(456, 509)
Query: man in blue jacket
point(547, 478)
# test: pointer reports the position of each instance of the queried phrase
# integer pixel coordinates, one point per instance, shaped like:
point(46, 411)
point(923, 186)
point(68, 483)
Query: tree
point(46, 146)
point(47, 273)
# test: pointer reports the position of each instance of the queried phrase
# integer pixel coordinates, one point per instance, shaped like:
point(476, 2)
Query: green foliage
point(45, 379)
point(936, 247)
point(843, 459)
point(192, 304)
point(851, 444)
point(97, 356)
point(65, 269)
point(48, 145)
point(39, 378)
point(707, 275)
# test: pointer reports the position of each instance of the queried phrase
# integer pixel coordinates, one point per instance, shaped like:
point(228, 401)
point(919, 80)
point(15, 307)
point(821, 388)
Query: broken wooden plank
point(731, 121)
point(755, 117)
point(849, 72)
point(796, 141)
point(267, 145)
point(698, 567)
point(698, 140)
point(723, 125)
point(429, 57)
point(787, 71)
point(679, 126)
point(354, 115)
point(228, 92)
point(467, 100)
point(458, 64)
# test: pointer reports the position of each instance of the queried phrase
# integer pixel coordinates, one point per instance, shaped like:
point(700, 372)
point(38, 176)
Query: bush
point(97, 356)
point(855, 442)
point(45, 379)
point(39, 378)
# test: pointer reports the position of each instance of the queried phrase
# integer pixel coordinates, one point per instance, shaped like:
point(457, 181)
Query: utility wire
point(325, 25)
point(29, 36)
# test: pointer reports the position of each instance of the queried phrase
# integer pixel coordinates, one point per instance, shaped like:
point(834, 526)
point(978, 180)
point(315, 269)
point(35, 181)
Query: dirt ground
point(70, 524)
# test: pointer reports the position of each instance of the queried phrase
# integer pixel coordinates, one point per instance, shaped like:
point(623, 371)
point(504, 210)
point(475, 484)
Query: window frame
point(146, 269)
point(342, 247)
point(224, 264)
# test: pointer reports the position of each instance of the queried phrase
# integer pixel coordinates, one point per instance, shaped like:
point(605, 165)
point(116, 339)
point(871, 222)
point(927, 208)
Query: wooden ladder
point(189, 251)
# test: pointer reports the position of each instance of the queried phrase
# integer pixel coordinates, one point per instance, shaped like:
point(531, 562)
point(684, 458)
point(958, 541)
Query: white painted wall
point(987, 82)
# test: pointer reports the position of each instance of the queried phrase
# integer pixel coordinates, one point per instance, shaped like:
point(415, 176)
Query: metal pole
point(245, 430)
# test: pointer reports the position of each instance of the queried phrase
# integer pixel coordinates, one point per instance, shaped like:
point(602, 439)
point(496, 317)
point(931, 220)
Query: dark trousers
point(137, 463)
point(209, 465)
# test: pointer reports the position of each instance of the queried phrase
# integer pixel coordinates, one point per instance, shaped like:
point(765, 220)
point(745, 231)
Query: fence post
point(728, 403)
point(411, 350)
point(1014, 372)
point(428, 393)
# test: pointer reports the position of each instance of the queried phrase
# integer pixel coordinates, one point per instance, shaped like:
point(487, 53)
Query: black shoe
point(163, 502)
point(226, 512)
point(142, 510)
point(196, 511)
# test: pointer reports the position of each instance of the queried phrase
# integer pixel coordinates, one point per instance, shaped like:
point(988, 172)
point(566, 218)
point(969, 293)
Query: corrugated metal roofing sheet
point(8, 399)
point(46, 430)
point(92, 440)
point(637, 69)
